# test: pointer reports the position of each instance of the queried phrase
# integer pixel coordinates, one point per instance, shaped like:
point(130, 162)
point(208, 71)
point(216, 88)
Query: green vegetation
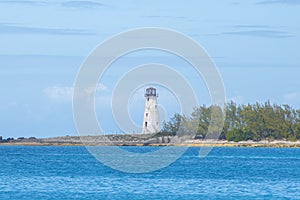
point(243, 122)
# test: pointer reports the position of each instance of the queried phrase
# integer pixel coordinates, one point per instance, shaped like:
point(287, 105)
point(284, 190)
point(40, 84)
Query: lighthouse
point(151, 120)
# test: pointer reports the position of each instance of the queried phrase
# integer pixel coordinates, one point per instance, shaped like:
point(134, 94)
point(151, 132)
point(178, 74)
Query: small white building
point(151, 119)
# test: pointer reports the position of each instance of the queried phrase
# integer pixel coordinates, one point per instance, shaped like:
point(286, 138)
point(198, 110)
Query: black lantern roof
point(150, 92)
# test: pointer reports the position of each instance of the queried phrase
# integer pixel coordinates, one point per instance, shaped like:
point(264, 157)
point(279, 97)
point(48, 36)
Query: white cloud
point(100, 87)
point(237, 99)
point(292, 97)
point(65, 93)
point(59, 93)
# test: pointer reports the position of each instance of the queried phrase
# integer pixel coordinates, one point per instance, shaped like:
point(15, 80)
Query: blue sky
point(255, 45)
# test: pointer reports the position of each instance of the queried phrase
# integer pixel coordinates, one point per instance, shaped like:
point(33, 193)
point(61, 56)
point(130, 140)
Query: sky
point(254, 44)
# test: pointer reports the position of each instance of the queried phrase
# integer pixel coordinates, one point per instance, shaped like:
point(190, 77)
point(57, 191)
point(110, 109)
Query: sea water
point(226, 173)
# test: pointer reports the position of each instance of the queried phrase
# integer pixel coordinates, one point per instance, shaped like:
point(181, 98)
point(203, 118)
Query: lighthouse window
point(146, 114)
point(155, 106)
point(146, 123)
point(148, 99)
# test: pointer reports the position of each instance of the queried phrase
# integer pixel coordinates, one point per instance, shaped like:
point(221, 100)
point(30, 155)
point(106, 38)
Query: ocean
point(226, 173)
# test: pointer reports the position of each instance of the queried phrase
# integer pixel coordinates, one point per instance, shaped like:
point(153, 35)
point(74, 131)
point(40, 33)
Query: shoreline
point(190, 143)
point(142, 140)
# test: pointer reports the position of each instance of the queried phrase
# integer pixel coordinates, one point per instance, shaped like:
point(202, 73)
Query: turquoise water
point(226, 173)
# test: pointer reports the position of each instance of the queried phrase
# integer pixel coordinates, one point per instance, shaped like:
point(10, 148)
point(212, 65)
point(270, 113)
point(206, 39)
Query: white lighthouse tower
point(151, 120)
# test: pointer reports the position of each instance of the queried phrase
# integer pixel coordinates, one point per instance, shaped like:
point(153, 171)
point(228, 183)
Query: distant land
point(140, 140)
point(250, 125)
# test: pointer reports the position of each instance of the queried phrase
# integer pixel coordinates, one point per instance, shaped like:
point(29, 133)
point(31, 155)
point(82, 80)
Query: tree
point(243, 122)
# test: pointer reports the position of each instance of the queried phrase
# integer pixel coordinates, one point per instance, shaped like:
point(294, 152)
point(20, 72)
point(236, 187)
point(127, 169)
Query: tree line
point(258, 121)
